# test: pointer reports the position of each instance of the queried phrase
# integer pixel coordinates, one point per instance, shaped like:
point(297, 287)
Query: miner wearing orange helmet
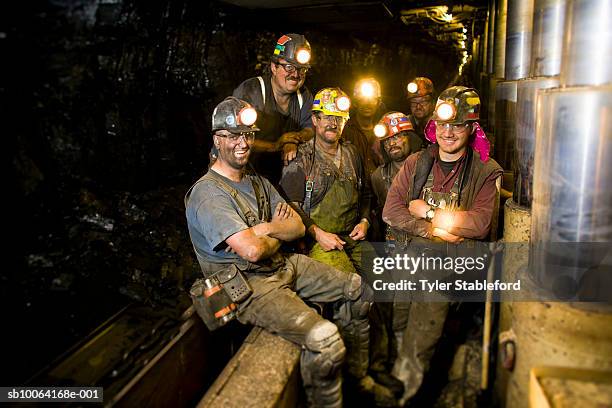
point(420, 94)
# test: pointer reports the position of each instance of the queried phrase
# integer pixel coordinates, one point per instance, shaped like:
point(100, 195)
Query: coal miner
point(446, 193)
point(394, 132)
point(237, 222)
point(420, 93)
point(397, 139)
point(326, 185)
point(283, 105)
point(359, 129)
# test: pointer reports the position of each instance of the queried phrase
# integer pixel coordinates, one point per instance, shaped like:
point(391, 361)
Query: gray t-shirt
point(213, 215)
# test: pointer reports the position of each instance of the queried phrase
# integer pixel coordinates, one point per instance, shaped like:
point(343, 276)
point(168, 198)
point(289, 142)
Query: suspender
point(308, 195)
point(300, 100)
point(460, 180)
point(263, 208)
point(263, 90)
point(263, 93)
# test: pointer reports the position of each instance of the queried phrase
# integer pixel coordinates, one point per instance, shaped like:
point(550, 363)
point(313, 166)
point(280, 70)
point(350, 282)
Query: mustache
point(331, 128)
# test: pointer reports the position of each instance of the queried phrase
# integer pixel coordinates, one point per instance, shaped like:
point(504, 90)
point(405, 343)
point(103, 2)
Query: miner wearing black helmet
point(283, 105)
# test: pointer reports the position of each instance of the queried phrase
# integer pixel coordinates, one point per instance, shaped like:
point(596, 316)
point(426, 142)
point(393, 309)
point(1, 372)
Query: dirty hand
point(328, 241)
point(447, 236)
point(282, 212)
point(418, 208)
point(360, 231)
point(289, 152)
point(289, 137)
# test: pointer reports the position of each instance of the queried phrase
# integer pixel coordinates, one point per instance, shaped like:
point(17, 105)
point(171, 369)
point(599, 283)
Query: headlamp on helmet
point(234, 115)
point(367, 88)
point(293, 48)
point(380, 130)
point(420, 86)
point(391, 124)
point(303, 56)
point(332, 101)
point(343, 103)
point(446, 111)
point(247, 116)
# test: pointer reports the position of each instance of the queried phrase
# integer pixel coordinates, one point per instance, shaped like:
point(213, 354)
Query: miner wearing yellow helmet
point(282, 103)
point(326, 184)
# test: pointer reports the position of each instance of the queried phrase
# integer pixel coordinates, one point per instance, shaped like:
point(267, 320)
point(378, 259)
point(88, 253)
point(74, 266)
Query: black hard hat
point(235, 116)
point(294, 48)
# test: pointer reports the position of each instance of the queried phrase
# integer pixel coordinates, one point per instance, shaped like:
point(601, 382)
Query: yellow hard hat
point(332, 101)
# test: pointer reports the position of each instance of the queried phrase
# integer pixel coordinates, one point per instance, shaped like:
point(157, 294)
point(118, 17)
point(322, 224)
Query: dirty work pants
point(276, 305)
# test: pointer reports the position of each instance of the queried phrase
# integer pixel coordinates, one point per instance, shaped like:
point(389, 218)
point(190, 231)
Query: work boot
point(389, 381)
point(380, 395)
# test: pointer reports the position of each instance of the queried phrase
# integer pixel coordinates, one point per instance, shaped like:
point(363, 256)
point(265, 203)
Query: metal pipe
point(505, 117)
point(587, 48)
point(519, 30)
point(491, 102)
point(573, 153)
point(525, 135)
point(572, 187)
point(500, 38)
point(491, 39)
point(546, 46)
point(475, 56)
point(484, 45)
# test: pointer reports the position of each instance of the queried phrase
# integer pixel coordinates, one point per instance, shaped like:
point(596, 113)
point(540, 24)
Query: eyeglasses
point(235, 138)
point(455, 128)
point(331, 119)
point(290, 68)
point(414, 104)
point(393, 139)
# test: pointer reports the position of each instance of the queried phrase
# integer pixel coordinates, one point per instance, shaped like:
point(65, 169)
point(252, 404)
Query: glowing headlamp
point(302, 56)
point(367, 90)
point(413, 87)
point(247, 116)
point(380, 130)
point(445, 111)
point(343, 103)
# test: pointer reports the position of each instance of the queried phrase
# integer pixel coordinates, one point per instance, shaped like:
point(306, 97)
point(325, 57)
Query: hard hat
point(367, 88)
point(294, 48)
point(391, 124)
point(235, 116)
point(457, 105)
point(332, 101)
point(420, 86)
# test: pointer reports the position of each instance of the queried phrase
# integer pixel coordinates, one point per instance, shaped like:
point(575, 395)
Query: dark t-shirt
point(213, 216)
point(272, 122)
point(447, 166)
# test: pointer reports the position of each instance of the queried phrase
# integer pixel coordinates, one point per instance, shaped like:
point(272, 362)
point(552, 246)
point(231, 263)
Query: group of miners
point(297, 189)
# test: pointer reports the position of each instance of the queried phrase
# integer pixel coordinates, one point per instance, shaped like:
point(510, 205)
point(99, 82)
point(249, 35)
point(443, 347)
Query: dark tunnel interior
point(107, 107)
